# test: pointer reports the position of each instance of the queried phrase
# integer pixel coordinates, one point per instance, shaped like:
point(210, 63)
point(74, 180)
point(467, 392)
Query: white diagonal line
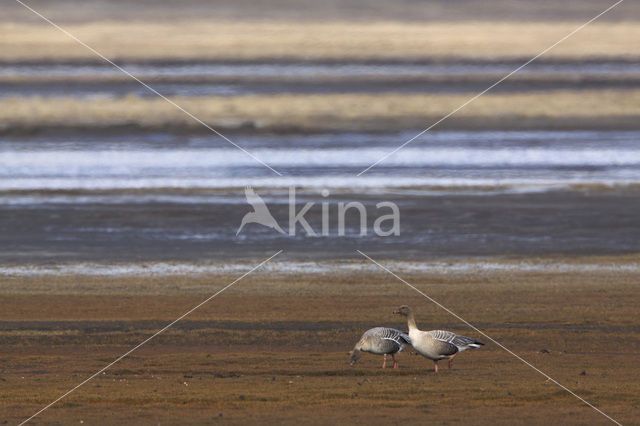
point(151, 89)
point(490, 87)
point(163, 329)
point(492, 340)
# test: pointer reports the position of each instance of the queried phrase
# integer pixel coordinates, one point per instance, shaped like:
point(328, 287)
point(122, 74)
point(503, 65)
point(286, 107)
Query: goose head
point(403, 310)
point(354, 356)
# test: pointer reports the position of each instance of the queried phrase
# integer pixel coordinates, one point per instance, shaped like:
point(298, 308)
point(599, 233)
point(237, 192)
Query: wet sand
point(273, 348)
point(93, 79)
point(591, 221)
point(233, 87)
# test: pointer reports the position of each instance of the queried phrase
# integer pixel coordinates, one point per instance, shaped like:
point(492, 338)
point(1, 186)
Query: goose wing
point(461, 342)
point(402, 339)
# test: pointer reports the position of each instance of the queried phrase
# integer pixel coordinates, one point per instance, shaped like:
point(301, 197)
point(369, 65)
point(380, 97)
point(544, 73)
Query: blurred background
point(94, 166)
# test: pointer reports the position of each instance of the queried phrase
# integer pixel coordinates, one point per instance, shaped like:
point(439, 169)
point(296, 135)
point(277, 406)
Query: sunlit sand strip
point(335, 40)
point(321, 111)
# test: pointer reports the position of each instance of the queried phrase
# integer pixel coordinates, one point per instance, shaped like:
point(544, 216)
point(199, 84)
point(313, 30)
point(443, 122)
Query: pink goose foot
point(451, 360)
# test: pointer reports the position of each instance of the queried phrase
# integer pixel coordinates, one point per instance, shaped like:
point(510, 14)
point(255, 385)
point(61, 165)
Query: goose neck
point(411, 322)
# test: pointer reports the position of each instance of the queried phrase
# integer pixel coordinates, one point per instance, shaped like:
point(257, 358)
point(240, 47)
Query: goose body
point(381, 341)
point(436, 344)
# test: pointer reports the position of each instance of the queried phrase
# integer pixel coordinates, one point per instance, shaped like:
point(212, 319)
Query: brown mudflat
point(272, 349)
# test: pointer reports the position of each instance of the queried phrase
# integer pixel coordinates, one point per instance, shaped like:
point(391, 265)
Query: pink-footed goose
point(380, 341)
point(436, 344)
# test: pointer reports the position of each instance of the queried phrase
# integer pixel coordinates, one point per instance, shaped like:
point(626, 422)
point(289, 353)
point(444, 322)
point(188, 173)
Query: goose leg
point(395, 363)
point(384, 363)
point(451, 360)
point(435, 366)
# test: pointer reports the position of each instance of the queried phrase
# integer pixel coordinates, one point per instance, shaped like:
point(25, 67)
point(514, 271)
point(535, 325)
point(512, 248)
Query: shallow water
point(431, 227)
point(446, 162)
point(100, 197)
point(314, 70)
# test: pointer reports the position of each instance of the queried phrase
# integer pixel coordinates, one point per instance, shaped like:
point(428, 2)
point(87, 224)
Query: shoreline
point(629, 264)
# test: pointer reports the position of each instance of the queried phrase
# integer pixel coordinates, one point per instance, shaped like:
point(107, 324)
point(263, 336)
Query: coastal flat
point(273, 348)
point(119, 212)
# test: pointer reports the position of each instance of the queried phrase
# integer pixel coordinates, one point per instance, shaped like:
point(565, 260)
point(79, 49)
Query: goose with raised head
point(436, 344)
point(381, 341)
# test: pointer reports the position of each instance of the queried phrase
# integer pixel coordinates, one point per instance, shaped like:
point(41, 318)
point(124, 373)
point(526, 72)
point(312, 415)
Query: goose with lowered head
point(380, 341)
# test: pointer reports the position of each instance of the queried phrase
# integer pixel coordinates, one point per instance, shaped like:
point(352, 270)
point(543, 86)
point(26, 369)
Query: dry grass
point(189, 387)
point(312, 40)
point(278, 366)
point(269, 297)
point(326, 112)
